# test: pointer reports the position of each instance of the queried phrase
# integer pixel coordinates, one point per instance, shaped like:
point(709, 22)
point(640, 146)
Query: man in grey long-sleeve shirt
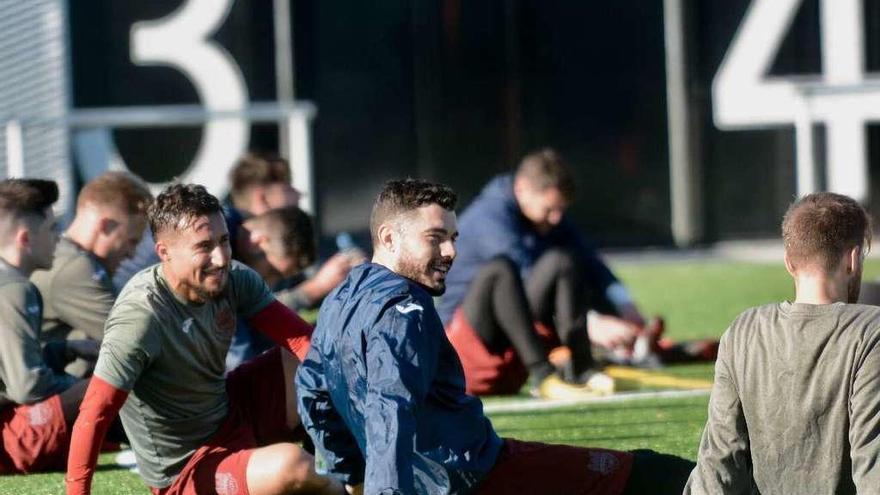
point(36, 404)
point(795, 407)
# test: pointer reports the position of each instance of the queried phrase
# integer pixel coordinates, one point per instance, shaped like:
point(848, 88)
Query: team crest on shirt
point(224, 321)
point(225, 484)
point(39, 414)
point(602, 462)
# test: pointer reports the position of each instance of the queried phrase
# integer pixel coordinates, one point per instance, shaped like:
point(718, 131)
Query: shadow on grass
point(605, 426)
point(603, 408)
point(579, 438)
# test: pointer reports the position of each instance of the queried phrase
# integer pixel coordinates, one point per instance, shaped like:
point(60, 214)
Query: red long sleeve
point(97, 411)
point(284, 327)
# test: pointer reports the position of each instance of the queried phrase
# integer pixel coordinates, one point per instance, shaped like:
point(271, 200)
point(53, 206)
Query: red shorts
point(35, 437)
point(257, 417)
point(487, 372)
point(532, 467)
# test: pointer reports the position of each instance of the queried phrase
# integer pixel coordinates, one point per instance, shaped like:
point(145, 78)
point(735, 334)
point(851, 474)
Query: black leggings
point(661, 474)
point(557, 295)
point(503, 310)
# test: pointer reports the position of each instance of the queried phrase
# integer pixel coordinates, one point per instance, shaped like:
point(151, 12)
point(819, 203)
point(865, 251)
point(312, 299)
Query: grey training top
point(171, 354)
point(24, 376)
point(77, 294)
point(795, 407)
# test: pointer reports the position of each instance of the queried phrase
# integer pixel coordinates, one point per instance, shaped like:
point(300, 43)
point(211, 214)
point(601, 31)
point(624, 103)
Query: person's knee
point(281, 468)
point(500, 263)
point(294, 466)
point(296, 471)
point(562, 258)
point(500, 266)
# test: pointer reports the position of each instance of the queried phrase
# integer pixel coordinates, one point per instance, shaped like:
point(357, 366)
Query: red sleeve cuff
point(284, 327)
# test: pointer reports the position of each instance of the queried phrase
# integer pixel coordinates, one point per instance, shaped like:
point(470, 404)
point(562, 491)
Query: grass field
point(698, 300)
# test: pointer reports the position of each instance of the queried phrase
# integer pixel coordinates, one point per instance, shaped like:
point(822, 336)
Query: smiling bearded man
point(382, 391)
point(192, 430)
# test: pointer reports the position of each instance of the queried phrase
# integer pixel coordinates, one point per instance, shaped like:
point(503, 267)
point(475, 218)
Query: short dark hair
point(293, 230)
point(180, 203)
point(256, 169)
point(821, 227)
point(546, 168)
point(117, 188)
point(20, 197)
point(401, 196)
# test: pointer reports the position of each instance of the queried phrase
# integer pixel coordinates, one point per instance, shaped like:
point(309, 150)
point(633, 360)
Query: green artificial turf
point(698, 299)
point(109, 480)
point(665, 425)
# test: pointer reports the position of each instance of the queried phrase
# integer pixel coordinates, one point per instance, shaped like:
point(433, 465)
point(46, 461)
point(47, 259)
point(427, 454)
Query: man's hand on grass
point(611, 332)
point(630, 313)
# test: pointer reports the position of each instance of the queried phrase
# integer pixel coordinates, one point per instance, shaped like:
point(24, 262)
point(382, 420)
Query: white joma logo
point(187, 325)
point(409, 308)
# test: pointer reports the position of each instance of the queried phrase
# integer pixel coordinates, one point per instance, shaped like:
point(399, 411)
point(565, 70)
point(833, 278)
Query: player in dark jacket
point(523, 262)
point(382, 393)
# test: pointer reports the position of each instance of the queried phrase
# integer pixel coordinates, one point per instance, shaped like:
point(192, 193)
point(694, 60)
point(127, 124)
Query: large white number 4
point(842, 98)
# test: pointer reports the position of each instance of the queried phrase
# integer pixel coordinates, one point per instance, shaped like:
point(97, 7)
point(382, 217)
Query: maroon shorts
point(532, 467)
point(35, 437)
point(257, 417)
point(487, 372)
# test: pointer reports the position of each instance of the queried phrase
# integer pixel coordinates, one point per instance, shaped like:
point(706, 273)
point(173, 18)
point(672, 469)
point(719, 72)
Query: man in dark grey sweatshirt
point(795, 407)
point(37, 405)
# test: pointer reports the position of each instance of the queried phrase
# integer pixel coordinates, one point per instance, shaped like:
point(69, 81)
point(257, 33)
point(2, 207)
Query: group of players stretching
point(381, 386)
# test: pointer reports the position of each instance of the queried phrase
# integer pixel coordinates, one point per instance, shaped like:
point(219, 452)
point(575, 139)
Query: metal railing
point(294, 120)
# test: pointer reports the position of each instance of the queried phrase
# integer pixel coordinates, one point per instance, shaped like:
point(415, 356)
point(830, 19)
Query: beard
point(423, 273)
point(205, 292)
point(208, 294)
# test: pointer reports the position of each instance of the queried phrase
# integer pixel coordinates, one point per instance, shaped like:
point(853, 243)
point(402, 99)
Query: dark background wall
point(457, 91)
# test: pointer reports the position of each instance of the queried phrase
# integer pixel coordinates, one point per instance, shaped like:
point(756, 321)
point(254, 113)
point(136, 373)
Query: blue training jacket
point(492, 225)
point(382, 392)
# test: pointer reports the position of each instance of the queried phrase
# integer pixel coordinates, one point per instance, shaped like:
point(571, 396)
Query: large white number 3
point(745, 98)
point(181, 40)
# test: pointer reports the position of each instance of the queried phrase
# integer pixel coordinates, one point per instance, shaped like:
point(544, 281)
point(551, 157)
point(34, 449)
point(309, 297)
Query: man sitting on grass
point(795, 407)
point(260, 182)
point(279, 245)
point(37, 405)
point(78, 292)
point(522, 261)
point(192, 430)
point(382, 392)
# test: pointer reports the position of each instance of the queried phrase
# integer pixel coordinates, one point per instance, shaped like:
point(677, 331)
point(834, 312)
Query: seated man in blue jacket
point(382, 392)
point(523, 264)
